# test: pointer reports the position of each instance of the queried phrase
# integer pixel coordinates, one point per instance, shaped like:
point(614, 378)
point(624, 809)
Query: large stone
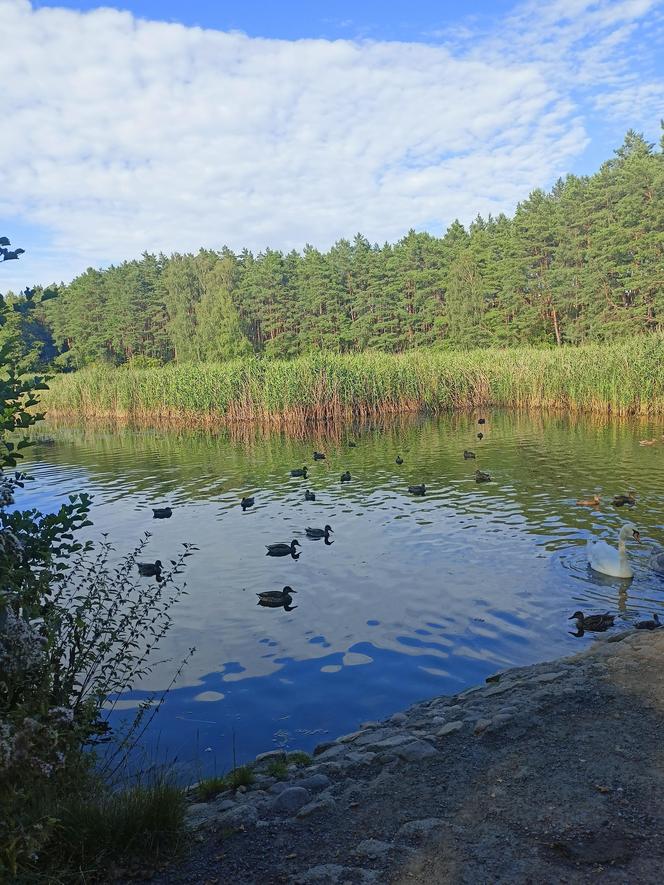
point(419, 830)
point(323, 803)
point(270, 756)
point(372, 848)
point(314, 783)
point(242, 816)
point(481, 725)
point(291, 800)
point(450, 728)
point(415, 751)
point(390, 742)
point(547, 677)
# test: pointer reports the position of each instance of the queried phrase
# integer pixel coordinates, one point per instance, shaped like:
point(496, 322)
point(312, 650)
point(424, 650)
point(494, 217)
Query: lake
point(416, 596)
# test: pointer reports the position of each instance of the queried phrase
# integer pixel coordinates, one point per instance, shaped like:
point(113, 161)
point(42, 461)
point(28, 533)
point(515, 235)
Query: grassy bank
point(620, 379)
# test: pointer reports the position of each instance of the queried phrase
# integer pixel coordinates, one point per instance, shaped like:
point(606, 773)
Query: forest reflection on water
point(416, 596)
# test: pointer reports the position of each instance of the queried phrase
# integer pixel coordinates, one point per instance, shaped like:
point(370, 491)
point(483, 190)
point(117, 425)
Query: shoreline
point(543, 772)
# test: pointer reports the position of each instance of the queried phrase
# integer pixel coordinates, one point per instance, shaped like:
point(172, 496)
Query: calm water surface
point(415, 597)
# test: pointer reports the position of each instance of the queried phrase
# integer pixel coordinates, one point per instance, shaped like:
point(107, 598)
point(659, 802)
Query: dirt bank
point(553, 774)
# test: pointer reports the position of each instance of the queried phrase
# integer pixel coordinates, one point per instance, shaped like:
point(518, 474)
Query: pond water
point(417, 596)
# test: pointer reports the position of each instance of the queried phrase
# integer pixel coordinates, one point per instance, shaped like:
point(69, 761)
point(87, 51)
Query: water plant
point(621, 379)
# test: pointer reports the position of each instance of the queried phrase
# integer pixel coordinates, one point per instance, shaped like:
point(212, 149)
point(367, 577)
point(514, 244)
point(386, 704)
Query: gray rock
point(333, 752)
point(450, 728)
point(418, 830)
point(279, 787)
point(322, 747)
point(390, 742)
point(242, 816)
point(373, 735)
point(481, 725)
point(547, 677)
point(349, 738)
point(361, 758)
point(323, 803)
point(314, 783)
point(372, 848)
point(334, 874)
point(270, 756)
point(291, 800)
point(397, 719)
point(221, 805)
point(415, 751)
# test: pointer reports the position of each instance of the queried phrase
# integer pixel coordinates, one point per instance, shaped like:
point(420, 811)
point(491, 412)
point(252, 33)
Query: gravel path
point(552, 774)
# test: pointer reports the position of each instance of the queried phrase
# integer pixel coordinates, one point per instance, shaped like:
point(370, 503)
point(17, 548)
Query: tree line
point(584, 261)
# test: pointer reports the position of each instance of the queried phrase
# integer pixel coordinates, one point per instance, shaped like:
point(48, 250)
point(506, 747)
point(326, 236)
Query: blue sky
point(280, 124)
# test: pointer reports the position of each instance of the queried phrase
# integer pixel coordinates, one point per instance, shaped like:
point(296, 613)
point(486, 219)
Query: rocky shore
point(552, 773)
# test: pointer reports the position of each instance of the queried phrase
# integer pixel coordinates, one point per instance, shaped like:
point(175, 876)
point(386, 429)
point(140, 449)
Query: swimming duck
point(593, 623)
point(621, 500)
point(589, 502)
point(480, 435)
point(345, 477)
point(309, 495)
point(468, 454)
point(652, 624)
point(282, 549)
point(276, 598)
point(399, 459)
point(606, 559)
point(162, 512)
point(150, 569)
point(418, 489)
point(480, 476)
point(481, 420)
point(319, 456)
point(247, 502)
point(299, 471)
point(319, 533)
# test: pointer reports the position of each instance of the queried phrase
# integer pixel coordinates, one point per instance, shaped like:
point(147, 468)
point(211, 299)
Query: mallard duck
point(468, 454)
point(309, 495)
point(345, 477)
point(319, 533)
point(652, 624)
point(282, 549)
point(480, 435)
point(247, 502)
point(480, 476)
point(299, 471)
point(648, 442)
point(418, 489)
point(162, 512)
point(399, 459)
point(593, 623)
point(150, 569)
point(606, 559)
point(276, 598)
point(481, 420)
point(589, 502)
point(621, 500)
point(319, 456)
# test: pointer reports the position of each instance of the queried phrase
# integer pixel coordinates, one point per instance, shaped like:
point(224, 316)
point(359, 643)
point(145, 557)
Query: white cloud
point(121, 135)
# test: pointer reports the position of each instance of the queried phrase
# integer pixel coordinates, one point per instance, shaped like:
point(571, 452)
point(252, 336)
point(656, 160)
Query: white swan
point(606, 559)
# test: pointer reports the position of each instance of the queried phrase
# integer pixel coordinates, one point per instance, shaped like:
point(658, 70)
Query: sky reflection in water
point(416, 596)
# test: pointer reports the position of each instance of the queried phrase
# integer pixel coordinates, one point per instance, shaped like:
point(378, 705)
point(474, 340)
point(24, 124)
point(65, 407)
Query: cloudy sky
point(167, 125)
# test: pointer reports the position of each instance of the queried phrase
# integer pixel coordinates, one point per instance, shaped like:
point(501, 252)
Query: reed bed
point(622, 379)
